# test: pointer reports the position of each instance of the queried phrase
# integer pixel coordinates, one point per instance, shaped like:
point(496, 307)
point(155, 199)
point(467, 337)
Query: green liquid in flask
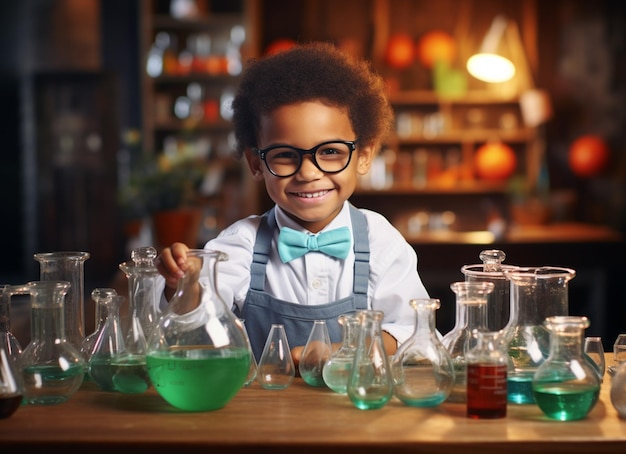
point(101, 372)
point(558, 401)
point(520, 389)
point(130, 374)
point(50, 384)
point(208, 380)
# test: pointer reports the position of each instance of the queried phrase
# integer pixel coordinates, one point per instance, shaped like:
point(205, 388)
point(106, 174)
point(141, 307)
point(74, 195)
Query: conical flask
point(338, 367)
point(536, 294)
point(492, 270)
point(199, 353)
point(11, 386)
point(253, 366)
point(68, 266)
point(98, 296)
point(276, 369)
point(371, 383)
point(566, 386)
point(422, 367)
point(131, 374)
point(471, 314)
point(7, 339)
point(316, 351)
point(107, 345)
point(51, 367)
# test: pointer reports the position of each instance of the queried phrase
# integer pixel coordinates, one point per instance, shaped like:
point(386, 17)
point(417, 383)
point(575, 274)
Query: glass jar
point(338, 367)
point(423, 373)
point(566, 386)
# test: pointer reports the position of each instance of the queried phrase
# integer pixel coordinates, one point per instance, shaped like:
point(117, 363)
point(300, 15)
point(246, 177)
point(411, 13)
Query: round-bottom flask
point(566, 387)
point(422, 367)
point(338, 366)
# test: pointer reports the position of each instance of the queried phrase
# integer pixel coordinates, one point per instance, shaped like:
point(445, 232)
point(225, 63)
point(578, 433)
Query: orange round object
point(400, 52)
point(435, 45)
point(279, 45)
point(495, 161)
point(588, 156)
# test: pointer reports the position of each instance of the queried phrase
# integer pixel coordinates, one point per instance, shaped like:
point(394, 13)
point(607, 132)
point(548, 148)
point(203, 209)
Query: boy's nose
point(308, 169)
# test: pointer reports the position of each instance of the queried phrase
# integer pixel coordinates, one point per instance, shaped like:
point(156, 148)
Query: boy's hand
point(172, 265)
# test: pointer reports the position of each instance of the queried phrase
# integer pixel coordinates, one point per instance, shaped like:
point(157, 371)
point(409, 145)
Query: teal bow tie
point(293, 244)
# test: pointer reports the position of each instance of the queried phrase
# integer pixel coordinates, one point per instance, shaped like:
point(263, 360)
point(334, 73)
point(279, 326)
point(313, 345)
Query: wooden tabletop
point(299, 419)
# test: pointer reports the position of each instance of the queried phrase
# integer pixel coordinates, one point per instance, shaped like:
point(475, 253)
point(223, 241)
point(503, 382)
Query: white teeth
point(311, 195)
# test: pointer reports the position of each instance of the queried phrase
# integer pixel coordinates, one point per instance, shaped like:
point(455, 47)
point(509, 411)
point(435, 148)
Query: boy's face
point(311, 197)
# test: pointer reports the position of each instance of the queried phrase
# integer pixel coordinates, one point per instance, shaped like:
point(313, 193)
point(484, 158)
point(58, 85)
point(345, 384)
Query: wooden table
point(299, 419)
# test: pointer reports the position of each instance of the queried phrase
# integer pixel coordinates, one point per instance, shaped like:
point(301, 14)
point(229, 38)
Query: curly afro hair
point(314, 71)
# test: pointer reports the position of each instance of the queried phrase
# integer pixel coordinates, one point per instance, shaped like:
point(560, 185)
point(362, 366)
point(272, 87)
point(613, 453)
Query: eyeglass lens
point(329, 157)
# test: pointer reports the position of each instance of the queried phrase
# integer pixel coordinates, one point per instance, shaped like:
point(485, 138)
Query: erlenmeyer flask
point(492, 270)
point(471, 314)
point(565, 386)
point(51, 367)
point(131, 371)
point(371, 384)
point(338, 366)
point(276, 369)
point(7, 339)
point(68, 266)
point(316, 351)
point(536, 294)
point(198, 359)
point(98, 296)
point(422, 367)
point(253, 366)
point(11, 386)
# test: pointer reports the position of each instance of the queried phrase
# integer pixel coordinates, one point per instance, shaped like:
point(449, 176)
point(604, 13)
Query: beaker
point(198, 360)
point(338, 366)
point(422, 368)
point(471, 314)
point(276, 369)
point(52, 368)
point(99, 297)
point(316, 351)
point(566, 386)
point(131, 372)
point(492, 270)
point(536, 294)
point(107, 345)
point(371, 383)
point(67, 266)
point(7, 339)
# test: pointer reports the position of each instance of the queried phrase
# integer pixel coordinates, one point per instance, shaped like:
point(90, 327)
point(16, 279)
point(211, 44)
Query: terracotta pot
point(180, 225)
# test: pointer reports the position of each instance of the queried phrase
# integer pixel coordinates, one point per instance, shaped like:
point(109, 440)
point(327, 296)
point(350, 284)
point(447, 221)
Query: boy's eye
point(284, 153)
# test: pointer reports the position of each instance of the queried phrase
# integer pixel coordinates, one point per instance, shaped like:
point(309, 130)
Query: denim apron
point(261, 310)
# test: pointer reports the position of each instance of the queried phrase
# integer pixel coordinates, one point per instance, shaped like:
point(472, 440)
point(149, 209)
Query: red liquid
point(8, 405)
point(486, 391)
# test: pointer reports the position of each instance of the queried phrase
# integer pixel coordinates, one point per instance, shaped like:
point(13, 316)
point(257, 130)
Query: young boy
point(309, 121)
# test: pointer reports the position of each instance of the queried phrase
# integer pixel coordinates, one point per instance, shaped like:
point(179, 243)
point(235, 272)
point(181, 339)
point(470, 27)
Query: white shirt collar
point(342, 219)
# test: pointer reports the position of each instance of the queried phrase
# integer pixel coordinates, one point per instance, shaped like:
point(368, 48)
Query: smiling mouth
point(311, 195)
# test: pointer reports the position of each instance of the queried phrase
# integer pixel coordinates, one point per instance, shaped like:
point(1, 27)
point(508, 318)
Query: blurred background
point(115, 123)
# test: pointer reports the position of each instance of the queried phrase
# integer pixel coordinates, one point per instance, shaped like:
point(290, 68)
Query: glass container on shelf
point(537, 293)
point(565, 386)
point(198, 359)
point(422, 368)
point(471, 314)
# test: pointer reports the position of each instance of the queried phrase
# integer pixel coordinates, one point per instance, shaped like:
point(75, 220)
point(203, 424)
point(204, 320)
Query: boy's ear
point(365, 155)
point(254, 163)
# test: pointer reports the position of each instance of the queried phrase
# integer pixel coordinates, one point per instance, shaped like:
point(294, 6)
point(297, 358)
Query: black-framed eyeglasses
point(330, 157)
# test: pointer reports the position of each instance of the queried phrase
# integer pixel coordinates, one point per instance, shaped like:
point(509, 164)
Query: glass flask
point(471, 314)
point(595, 352)
point(251, 377)
point(107, 345)
point(98, 296)
point(315, 354)
point(566, 386)
point(618, 390)
point(422, 367)
point(11, 386)
point(487, 365)
point(338, 366)
point(371, 383)
point(7, 340)
point(492, 270)
point(199, 353)
point(276, 369)
point(68, 266)
point(536, 294)
point(619, 353)
point(131, 371)
point(52, 369)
